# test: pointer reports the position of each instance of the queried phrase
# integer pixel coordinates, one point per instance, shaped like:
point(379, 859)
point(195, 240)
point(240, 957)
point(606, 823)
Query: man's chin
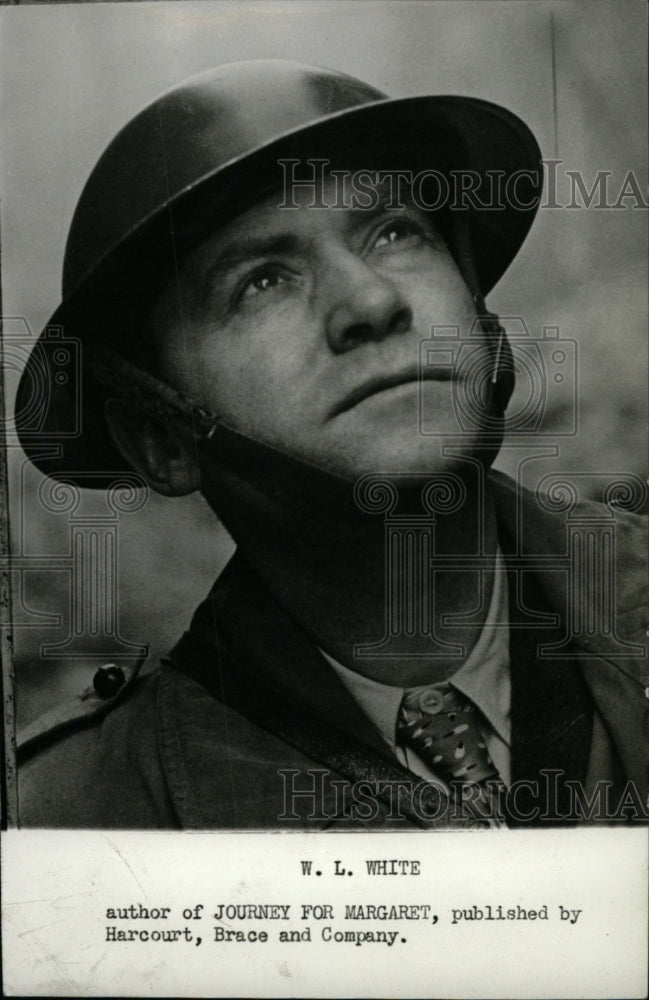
point(409, 460)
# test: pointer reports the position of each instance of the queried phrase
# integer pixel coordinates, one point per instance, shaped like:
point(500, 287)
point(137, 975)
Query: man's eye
point(262, 281)
point(402, 234)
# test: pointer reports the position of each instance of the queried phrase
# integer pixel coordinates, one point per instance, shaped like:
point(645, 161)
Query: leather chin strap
point(502, 377)
point(157, 399)
point(150, 395)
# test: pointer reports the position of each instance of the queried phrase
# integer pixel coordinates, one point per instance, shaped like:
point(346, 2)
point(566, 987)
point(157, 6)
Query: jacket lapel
point(259, 641)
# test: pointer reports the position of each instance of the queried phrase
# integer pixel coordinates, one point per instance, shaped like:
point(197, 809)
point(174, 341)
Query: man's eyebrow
point(387, 204)
point(238, 251)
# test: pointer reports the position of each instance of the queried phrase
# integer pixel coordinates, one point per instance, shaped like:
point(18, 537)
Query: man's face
point(302, 327)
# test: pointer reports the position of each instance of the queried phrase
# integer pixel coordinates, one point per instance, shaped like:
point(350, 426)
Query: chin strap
point(149, 394)
point(502, 379)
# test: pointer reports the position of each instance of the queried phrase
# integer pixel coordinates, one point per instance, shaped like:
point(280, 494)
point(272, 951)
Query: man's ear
point(163, 452)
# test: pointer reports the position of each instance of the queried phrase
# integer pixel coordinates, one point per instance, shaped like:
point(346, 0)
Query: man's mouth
point(381, 383)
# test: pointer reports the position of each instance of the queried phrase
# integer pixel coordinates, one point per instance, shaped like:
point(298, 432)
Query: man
point(253, 269)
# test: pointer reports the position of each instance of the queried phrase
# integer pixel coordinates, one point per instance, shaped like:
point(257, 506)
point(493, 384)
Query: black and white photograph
point(324, 484)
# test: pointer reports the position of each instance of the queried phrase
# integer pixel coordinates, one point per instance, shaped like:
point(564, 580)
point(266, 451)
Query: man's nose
point(363, 305)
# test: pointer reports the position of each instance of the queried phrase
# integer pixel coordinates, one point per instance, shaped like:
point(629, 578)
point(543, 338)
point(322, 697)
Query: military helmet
point(191, 161)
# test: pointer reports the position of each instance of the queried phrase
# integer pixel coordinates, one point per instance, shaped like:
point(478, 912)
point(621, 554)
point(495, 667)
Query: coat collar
point(245, 626)
point(613, 662)
point(531, 530)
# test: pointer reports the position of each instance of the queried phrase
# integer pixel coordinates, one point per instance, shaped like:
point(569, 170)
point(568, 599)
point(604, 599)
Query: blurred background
point(73, 74)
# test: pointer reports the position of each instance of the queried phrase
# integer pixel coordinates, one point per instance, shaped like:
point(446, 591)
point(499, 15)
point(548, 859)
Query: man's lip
point(381, 382)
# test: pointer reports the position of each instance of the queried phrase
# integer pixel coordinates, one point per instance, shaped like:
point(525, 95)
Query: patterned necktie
point(441, 725)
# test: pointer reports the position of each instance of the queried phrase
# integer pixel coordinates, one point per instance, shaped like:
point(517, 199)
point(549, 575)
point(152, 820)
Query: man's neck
point(395, 596)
